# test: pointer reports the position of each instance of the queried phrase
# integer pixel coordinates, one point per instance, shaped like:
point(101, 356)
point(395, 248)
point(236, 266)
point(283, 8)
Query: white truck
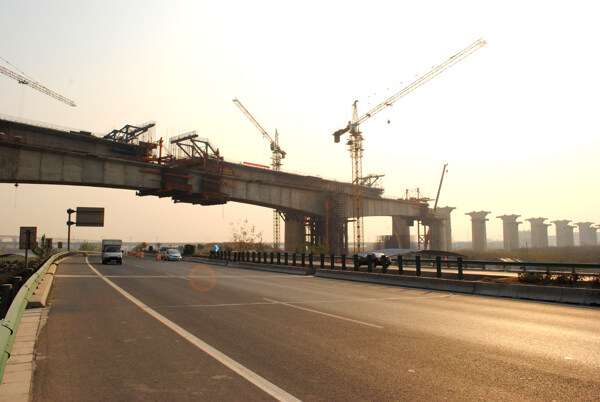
point(111, 251)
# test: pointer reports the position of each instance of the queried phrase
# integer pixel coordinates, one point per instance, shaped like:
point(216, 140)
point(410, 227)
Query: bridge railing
point(417, 266)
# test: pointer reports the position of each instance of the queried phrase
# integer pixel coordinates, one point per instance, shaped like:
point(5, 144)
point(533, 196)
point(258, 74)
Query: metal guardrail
point(10, 324)
point(343, 262)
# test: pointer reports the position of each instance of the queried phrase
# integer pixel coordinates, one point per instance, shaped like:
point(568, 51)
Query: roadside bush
point(562, 280)
point(533, 277)
point(539, 278)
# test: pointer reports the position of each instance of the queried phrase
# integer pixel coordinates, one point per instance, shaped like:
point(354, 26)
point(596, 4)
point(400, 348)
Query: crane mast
point(427, 241)
point(35, 85)
point(355, 141)
point(277, 155)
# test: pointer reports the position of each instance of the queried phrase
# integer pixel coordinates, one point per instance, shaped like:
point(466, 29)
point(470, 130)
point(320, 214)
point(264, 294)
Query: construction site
point(314, 211)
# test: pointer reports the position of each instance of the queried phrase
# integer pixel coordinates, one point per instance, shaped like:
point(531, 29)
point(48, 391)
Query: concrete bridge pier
point(441, 230)
point(564, 233)
point(478, 228)
point(510, 230)
point(294, 235)
point(401, 230)
point(587, 234)
point(539, 232)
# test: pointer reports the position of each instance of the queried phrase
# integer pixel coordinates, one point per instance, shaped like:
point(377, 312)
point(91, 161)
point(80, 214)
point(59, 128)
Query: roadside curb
point(40, 295)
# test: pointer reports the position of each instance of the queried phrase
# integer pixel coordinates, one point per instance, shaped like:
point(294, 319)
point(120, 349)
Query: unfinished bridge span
point(315, 210)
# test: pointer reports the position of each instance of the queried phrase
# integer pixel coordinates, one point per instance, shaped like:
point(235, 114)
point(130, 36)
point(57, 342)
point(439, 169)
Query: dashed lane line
point(325, 314)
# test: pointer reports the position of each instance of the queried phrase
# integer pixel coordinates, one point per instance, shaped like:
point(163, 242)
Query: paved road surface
point(154, 330)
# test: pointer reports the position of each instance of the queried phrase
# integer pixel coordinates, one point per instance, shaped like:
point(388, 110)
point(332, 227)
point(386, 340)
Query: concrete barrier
point(557, 294)
point(583, 296)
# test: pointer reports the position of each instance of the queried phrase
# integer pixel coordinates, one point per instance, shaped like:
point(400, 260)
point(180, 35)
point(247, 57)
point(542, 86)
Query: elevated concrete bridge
point(314, 209)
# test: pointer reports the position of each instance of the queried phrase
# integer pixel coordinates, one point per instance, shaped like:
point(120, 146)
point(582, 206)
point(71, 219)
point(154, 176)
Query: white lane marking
point(114, 276)
point(246, 373)
point(325, 314)
point(185, 278)
point(139, 266)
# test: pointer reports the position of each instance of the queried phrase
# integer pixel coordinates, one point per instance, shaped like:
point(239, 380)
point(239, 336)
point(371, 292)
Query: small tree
point(87, 246)
point(41, 250)
point(245, 236)
point(320, 248)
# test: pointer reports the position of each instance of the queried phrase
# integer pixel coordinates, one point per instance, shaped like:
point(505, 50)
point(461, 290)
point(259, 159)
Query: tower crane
point(277, 155)
point(35, 85)
point(355, 141)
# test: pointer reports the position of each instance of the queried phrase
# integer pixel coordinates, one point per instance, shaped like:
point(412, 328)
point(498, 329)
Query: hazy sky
point(517, 121)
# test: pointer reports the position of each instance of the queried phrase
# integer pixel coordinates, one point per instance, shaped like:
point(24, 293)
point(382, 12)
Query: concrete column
point(510, 230)
point(401, 231)
point(294, 234)
point(478, 221)
point(539, 232)
point(587, 234)
point(564, 233)
point(444, 229)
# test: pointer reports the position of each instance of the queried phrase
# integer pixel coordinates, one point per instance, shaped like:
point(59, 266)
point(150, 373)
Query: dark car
point(376, 257)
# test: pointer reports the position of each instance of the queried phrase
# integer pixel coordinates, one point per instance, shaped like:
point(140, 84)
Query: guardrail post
point(30, 271)
point(254, 256)
point(384, 264)
point(303, 257)
point(343, 262)
point(369, 263)
point(285, 258)
point(332, 260)
point(418, 264)
point(310, 260)
point(5, 299)
point(322, 261)
point(294, 259)
point(459, 263)
point(356, 262)
point(400, 269)
point(235, 256)
point(438, 265)
point(278, 258)
point(16, 282)
point(271, 256)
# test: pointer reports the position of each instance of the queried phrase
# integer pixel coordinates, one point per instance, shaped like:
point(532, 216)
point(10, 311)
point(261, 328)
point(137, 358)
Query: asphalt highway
point(156, 330)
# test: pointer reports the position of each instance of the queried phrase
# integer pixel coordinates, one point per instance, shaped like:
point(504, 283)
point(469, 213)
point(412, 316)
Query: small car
point(376, 257)
point(171, 255)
